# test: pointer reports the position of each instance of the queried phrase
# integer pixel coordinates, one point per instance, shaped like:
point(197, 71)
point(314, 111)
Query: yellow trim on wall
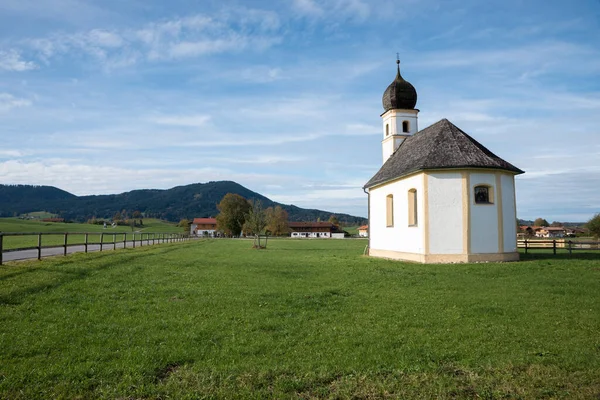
point(500, 212)
point(437, 171)
point(444, 258)
point(425, 213)
point(466, 207)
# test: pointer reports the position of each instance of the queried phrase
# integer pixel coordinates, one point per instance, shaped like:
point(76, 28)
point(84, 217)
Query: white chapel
point(440, 196)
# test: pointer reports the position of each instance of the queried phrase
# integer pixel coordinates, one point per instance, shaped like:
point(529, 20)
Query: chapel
point(440, 195)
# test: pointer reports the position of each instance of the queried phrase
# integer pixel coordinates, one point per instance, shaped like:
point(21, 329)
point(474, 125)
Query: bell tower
point(400, 118)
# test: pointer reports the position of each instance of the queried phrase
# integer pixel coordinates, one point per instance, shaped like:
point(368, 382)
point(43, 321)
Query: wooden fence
point(131, 239)
point(568, 245)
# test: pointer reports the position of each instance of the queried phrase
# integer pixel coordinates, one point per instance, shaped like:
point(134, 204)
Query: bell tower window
point(405, 126)
point(387, 129)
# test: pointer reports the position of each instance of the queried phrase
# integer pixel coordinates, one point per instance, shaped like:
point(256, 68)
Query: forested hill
point(189, 201)
point(19, 199)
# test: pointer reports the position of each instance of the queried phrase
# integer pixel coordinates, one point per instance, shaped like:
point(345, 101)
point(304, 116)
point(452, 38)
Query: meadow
point(301, 319)
point(36, 226)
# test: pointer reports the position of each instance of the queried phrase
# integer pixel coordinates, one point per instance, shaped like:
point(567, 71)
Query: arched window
point(405, 126)
point(412, 208)
point(387, 129)
point(484, 194)
point(389, 210)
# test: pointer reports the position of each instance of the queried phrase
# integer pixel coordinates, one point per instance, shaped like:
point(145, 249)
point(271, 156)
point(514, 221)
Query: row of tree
point(237, 215)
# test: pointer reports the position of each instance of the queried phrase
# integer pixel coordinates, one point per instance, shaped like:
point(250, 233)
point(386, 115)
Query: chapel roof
point(440, 146)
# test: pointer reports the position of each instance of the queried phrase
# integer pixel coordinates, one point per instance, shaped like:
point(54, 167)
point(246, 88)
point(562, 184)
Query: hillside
point(19, 199)
point(189, 201)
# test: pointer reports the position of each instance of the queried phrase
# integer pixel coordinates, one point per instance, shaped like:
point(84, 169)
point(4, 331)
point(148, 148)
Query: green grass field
point(20, 225)
point(301, 319)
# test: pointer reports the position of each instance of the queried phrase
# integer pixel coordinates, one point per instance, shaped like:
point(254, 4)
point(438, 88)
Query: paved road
point(59, 251)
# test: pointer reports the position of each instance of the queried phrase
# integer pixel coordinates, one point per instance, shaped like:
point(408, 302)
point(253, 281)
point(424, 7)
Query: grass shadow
point(68, 276)
point(547, 254)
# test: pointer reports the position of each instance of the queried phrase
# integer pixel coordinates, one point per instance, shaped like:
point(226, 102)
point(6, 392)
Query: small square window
point(483, 195)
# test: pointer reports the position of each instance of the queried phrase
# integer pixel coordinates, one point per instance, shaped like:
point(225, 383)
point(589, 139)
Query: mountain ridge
point(184, 201)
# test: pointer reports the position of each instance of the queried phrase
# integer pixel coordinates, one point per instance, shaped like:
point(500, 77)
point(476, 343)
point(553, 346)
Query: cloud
point(308, 7)
point(11, 61)
point(11, 153)
point(232, 30)
point(182, 120)
point(358, 10)
point(8, 102)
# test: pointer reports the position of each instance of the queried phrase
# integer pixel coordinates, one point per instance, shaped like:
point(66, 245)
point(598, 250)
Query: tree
point(185, 224)
point(233, 209)
point(556, 224)
point(593, 226)
point(277, 221)
point(333, 219)
point(256, 220)
point(117, 216)
point(540, 222)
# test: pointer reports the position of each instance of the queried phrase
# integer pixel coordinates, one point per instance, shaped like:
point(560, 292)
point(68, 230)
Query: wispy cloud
point(195, 121)
point(11, 61)
point(178, 38)
point(8, 102)
point(358, 10)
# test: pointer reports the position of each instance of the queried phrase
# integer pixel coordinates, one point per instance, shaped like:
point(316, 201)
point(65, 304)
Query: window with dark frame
point(482, 195)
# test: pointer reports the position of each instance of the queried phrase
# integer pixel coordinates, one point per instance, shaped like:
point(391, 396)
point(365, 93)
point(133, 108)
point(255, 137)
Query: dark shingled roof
point(400, 94)
point(440, 146)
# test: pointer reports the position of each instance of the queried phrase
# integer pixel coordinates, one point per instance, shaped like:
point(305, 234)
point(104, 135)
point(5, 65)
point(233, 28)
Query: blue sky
point(284, 97)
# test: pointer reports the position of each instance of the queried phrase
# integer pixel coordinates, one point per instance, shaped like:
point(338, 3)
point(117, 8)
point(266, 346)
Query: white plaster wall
point(387, 147)
point(445, 213)
point(400, 237)
point(509, 214)
point(484, 217)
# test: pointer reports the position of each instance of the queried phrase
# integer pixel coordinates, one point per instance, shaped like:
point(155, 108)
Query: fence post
point(525, 246)
point(1, 248)
point(86, 242)
point(134, 240)
point(125, 240)
point(570, 242)
point(65, 245)
point(153, 236)
point(114, 241)
point(554, 246)
point(101, 240)
point(39, 246)
point(141, 239)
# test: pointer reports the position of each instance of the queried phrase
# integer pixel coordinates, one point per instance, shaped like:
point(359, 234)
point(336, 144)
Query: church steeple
point(400, 94)
point(400, 116)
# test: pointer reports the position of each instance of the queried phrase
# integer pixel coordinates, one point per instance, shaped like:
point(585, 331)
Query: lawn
point(20, 225)
point(303, 318)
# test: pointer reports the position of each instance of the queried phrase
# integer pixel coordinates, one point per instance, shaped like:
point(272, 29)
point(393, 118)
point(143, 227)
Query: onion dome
point(400, 94)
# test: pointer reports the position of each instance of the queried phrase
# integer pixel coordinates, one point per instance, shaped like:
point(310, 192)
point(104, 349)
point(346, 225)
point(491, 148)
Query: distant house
point(363, 231)
point(315, 230)
point(550, 231)
point(203, 227)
